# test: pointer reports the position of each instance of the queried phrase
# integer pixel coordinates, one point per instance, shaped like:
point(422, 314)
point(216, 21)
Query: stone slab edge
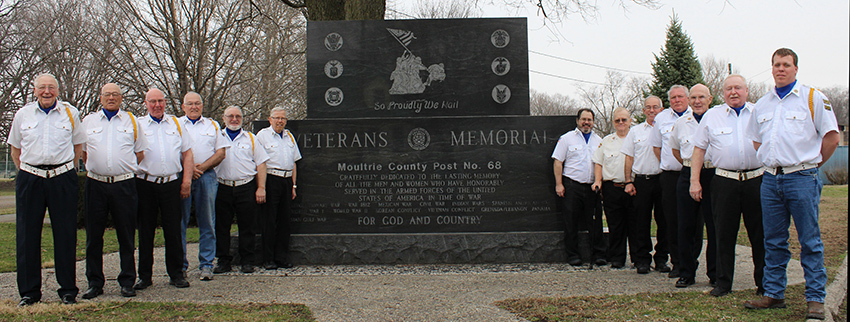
point(836, 291)
point(455, 248)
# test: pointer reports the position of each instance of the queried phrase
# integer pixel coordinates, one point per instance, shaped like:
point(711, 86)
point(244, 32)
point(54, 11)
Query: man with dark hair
point(46, 139)
point(794, 131)
point(573, 170)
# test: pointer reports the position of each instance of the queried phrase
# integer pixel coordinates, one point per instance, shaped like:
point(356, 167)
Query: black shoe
point(663, 268)
point(179, 282)
point(142, 284)
point(684, 282)
point(575, 262)
point(284, 264)
point(617, 265)
point(222, 267)
point(128, 291)
point(68, 299)
point(27, 301)
point(270, 266)
point(674, 273)
point(601, 262)
point(713, 283)
point(247, 268)
point(720, 291)
point(92, 292)
point(643, 269)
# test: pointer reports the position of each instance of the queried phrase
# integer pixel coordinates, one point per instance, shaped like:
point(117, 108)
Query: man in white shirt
point(163, 179)
point(573, 170)
point(241, 190)
point(660, 140)
point(280, 186)
point(46, 140)
point(112, 154)
point(692, 214)
point(208, 149)
point(736, 182)
point(643, 166)
point(794, 131)
point(610, 179)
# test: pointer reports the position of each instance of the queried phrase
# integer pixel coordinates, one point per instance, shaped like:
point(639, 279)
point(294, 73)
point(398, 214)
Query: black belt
point(645, 176)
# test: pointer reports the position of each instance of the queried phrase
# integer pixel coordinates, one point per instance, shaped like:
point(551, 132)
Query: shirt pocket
point(795, 121)
point(666, 131)
point(95, 134)
point(722, 135)
point(126, 135)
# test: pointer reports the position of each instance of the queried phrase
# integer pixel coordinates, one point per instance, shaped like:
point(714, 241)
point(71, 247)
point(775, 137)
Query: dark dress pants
point(239, 202)
point(121, 200)
point(669, 181)
point(582, 211)
point(692, 215)
point(276, 213)
point(34, 194)
point(648, 198)
point(618, 205)
point(160, 200)
point(730, 199)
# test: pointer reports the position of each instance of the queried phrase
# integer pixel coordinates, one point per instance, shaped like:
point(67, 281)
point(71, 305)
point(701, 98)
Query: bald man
point(691, 213)
point(112, 153)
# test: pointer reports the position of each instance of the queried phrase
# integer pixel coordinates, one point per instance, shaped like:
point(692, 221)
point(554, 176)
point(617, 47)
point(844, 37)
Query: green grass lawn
point(147, 311)
point(110, 244)
point(699, 306)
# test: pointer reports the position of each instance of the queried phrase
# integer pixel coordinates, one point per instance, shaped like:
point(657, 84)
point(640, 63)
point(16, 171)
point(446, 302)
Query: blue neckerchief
point(698, 117)
point(232, 134)
point(47, 110)
point(109, 114)
point(586, 137)
point(280, 134)
point(784, 90)
point(738, 109)
point(156, 119)
point(677, 113)
point(193, 121)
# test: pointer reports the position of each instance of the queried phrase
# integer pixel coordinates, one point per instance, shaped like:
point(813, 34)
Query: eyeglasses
point(108, 94)
point(156, 101)
point(193, 103)
point(46, 87)
point(277, 118)
point(621, 120)
point(233, 116)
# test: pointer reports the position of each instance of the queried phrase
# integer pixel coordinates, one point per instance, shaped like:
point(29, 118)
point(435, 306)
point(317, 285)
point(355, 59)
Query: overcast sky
point(744, 32)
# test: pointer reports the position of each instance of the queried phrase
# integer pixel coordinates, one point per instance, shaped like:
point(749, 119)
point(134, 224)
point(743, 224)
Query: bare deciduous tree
point(541, 103)
point(618, 91)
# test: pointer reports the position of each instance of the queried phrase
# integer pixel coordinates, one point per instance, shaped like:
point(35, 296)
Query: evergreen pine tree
point(677, 63)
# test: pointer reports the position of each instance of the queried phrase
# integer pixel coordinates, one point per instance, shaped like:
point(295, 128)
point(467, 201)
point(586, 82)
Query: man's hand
point(293, 192)
point(596, 186)
point(630, 189)
point(559, 189)
point(261, 195)
point(185, 189)
point(696, 191)
point(198, 171)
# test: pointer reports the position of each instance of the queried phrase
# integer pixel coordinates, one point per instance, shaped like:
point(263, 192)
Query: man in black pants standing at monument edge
point(573, 178)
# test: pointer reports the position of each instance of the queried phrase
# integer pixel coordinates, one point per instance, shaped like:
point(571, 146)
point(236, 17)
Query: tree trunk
point(324, 10)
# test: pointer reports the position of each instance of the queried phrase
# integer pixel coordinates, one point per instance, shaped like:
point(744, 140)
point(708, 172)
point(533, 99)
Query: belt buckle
point(741, 176)
point(779, 170)
point(110, 179)
point(159, 180)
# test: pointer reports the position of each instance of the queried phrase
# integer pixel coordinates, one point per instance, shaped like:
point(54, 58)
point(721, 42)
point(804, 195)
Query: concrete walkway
point(398, 293)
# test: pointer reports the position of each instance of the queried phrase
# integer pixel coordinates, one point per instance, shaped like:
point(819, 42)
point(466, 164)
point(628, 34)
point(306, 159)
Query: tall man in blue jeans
point(794, 132)
point(208, 148)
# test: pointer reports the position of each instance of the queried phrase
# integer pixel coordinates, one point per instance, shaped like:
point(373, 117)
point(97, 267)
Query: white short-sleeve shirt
point(206, 137)
point(281, 148)
point(112, 144)
point(682, 137)
point(242, 159)
point(722, 133)
point(576, 155)
point(661, 135)
point(46, 138)
point(789, 132)
point(637, 146)
point(166, 143)
point(609, 157)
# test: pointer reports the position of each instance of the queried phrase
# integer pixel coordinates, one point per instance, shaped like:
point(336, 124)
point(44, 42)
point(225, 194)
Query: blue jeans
point(204, 190)
point(784, 196)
